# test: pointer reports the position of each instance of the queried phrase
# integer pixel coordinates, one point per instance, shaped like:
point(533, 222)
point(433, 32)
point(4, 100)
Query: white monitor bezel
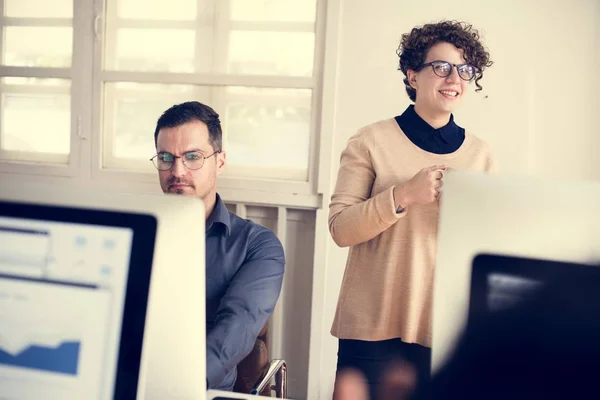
point(504, 214)
point(173, 361)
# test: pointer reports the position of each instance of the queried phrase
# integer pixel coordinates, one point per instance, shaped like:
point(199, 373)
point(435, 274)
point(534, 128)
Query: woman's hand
point(423, 188)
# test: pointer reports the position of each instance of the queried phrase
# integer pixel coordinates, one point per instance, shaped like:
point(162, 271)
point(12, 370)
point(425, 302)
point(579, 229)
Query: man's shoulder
point(246, 227)
point(255, 234)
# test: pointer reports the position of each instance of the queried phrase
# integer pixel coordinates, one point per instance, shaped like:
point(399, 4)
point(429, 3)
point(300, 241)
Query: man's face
point(179, 142)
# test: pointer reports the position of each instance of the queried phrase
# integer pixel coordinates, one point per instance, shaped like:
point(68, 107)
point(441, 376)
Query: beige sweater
point(388, 283)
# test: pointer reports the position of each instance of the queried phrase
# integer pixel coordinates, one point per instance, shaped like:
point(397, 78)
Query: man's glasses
point(443, 69)
point(192, 160)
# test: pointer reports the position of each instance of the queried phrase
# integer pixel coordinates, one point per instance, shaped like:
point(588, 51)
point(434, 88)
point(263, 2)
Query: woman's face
point(438, 95)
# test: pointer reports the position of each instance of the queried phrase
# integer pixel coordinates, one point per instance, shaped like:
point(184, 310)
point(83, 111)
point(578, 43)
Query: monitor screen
point(500, 281)
point(504, 214)
point(73, 290)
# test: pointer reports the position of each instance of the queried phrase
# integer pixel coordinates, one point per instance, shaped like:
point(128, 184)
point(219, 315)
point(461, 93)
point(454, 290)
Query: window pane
point(269, 10)
point(271, 53)
point(167, 50)
point(270, 129)
point(33, 118)
point(130, 115)
point(38, 8)
point(172, 10)
point(260, 126)
point(13, 80)
point(38, 46)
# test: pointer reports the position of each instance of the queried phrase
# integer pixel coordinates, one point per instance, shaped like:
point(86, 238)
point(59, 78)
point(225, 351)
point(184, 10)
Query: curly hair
point(415, 45)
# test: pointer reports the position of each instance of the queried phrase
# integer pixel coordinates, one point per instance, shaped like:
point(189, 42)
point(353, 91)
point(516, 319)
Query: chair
point(256, 371)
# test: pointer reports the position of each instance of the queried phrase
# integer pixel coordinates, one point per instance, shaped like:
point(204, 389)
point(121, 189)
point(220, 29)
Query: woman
point(385, 204)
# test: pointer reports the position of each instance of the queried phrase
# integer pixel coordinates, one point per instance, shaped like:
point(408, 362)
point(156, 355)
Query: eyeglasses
point(443, 69)
point(192, 160)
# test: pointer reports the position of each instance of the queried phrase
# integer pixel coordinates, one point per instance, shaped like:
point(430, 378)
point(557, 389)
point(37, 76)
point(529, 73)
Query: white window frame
point(236, 187)
point(85, 161)
point(46, 164)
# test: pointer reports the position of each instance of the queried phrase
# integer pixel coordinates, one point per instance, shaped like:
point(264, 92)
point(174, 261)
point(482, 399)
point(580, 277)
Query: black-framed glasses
point(193, 160)
point(443, 69)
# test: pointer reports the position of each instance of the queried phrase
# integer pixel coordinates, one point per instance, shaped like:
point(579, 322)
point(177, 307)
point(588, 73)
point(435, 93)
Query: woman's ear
point(412, 78)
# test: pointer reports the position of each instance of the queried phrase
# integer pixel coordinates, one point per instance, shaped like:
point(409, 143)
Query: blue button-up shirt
point(244, 274)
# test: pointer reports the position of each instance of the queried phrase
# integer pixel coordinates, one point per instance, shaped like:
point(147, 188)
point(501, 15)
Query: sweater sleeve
point(354, 216)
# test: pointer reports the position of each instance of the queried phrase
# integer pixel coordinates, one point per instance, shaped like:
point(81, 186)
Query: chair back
point(250, 370)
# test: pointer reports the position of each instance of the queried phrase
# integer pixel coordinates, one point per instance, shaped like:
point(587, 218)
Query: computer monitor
point(507, 215)
point(500, 282)
point(101, 294)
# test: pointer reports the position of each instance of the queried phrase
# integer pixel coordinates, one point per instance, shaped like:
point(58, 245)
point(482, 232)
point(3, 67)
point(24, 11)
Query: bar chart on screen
point(51, 336)
point(43, 345)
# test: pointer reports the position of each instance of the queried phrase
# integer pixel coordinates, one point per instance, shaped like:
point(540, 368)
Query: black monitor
point(502, 281)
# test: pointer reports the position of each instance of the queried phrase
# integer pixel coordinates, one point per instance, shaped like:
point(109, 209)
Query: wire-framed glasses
point(193, 160)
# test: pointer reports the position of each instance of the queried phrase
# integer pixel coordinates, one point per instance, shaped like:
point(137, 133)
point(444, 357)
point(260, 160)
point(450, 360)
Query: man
point(244, 261)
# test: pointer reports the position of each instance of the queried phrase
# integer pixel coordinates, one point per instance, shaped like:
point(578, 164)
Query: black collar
point(446, 139)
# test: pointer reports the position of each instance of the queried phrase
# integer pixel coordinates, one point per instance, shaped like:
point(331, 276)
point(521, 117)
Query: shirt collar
point(219, 215)
point(415, 124)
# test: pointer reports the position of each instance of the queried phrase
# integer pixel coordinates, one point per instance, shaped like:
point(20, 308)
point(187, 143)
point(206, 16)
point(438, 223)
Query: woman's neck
point(435, 120)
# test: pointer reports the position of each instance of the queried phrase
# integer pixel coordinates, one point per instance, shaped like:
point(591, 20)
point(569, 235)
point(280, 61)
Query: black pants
point(372, 358)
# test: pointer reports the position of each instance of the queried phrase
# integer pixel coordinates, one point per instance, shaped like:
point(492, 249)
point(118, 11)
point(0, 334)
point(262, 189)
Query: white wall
point(538, 109)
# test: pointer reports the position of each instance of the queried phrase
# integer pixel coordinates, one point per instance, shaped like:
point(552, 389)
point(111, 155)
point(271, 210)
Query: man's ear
point(221, 161)
point(412, 78)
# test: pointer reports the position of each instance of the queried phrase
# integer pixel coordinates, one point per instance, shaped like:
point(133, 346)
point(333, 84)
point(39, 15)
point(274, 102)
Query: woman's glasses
point(443, 69)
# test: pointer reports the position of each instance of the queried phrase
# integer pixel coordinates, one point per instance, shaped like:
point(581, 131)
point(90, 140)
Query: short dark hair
point(190, 111)
point(414, 46)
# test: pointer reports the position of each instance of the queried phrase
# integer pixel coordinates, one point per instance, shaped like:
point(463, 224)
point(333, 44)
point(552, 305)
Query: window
point(105, 70)
point(251, 60)
point(36, 47)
